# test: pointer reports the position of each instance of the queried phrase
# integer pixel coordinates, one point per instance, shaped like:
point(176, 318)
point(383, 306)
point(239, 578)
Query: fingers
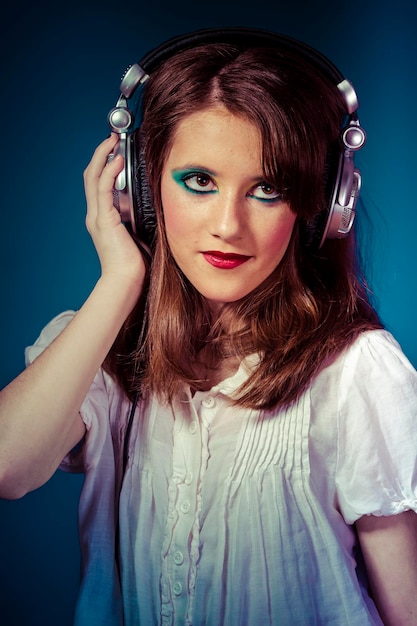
point(99, 158)
point(98, 162)
point(99, 180)
point(118, 253)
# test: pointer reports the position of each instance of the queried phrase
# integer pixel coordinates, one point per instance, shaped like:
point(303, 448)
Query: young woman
point(268, 473)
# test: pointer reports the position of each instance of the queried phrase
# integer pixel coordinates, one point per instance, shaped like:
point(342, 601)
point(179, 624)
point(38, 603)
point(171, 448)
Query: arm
point(389, 546)
point(39, 410)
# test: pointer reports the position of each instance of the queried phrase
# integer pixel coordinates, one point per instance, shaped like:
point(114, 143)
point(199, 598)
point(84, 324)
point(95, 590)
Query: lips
point(225, 260)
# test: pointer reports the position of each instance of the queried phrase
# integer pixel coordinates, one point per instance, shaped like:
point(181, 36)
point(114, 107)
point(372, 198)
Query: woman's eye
point(199, 183)
point(266, 191)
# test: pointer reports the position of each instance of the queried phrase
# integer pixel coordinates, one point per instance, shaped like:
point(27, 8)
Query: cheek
point(180, 218)
point(176, 223)
point(172, 217)
point(276, 238)
point(179, 227)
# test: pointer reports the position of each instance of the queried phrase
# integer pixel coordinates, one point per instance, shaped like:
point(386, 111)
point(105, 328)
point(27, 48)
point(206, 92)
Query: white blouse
point(236, 517)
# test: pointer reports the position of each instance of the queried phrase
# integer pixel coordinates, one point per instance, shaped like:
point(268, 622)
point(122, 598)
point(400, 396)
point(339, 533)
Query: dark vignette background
point(61, 66)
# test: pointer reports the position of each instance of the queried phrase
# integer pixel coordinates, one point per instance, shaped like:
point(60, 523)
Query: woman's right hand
point(119, 255)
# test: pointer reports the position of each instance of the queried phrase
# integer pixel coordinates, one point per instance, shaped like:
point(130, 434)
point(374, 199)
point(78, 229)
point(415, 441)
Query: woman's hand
point(119, 255)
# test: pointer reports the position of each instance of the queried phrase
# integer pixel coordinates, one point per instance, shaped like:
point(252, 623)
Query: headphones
point(131, 192)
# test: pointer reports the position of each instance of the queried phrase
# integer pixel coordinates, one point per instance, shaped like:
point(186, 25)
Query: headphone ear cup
point(342, 191)
point(143, 207)
point(343, 200)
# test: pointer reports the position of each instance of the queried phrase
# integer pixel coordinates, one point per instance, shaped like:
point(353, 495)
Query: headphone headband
point(243, 38)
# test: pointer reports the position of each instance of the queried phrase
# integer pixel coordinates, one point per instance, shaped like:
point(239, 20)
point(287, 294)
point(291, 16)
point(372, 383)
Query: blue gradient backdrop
point(61, 65)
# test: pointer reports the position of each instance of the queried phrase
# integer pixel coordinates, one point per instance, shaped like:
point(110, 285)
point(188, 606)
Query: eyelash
point(195, 175)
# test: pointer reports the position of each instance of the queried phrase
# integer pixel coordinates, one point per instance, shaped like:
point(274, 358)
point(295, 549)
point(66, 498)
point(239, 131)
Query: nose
point(227, 219)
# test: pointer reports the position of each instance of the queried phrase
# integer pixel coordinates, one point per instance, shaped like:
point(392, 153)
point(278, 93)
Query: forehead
point(215, 132)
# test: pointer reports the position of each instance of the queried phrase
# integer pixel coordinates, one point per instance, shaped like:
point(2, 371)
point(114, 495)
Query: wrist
point(119, 291)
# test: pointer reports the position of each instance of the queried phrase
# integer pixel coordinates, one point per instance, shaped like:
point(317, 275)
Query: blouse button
point(188, 478)
point(193, 428)
point(185, 506)
point(177, 588)
point(178, 558)
point(209, 402)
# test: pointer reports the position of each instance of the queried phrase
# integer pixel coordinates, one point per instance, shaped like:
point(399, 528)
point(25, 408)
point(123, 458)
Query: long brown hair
point(315, 302)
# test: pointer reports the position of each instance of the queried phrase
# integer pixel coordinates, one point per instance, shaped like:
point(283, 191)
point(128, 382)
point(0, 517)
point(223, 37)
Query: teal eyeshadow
point(179, 176)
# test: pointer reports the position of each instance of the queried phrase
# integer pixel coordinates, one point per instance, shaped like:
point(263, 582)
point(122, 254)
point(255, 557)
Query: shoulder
point(374, 344)
point(376, 370)
point(373, 359)
point(370, 386)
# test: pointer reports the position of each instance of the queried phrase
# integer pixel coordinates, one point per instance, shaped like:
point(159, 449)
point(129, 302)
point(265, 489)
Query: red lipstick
point(225, 260)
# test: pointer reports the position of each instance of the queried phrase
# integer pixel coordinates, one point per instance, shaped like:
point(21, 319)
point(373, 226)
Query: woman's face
point(226, 226)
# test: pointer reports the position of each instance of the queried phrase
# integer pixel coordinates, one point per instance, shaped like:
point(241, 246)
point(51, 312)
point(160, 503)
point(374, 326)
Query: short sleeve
point(47, 335)
point(377, 429)
point(102, 397)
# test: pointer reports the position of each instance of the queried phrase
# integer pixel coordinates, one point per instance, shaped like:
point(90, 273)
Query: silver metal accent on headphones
point(343, 204)
point(121, 119)
point(349, 94)
point(134, 75)
point(342, 207)
point(354, 136)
